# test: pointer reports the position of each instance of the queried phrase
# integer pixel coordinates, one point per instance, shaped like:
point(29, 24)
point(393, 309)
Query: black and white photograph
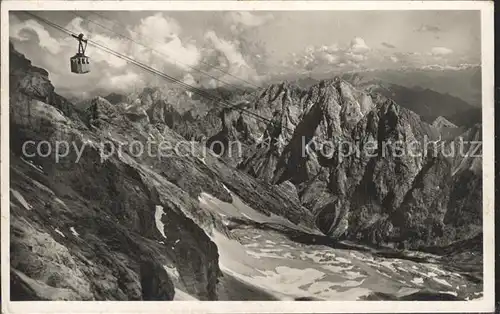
point(238, 152)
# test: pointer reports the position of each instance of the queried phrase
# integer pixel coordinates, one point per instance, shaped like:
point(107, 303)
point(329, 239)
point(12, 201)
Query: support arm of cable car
point(81, 41)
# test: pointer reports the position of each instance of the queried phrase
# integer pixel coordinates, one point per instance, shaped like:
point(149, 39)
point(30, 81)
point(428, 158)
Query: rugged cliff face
point(97, 224)
point(367, 168)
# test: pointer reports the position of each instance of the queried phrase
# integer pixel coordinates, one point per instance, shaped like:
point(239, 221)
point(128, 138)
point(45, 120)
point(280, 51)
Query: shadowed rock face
point(98, 225)
point(116, 227)
point(381, 195)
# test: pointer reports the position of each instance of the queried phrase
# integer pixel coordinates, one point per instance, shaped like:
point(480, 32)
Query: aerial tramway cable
point(202, 93)
point(154, 39)
point(152, 49)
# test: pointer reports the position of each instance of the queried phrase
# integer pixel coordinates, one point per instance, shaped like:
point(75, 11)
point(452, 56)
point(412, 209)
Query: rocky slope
point(426, 102)
point(123, 226)
point(96, 224)
point(462, 82)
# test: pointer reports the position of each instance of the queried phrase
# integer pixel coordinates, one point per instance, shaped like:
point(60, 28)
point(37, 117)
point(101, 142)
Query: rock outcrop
point(373, 171)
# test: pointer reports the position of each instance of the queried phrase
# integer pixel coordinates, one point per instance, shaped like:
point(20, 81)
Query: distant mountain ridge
point(426, 102)
point(364, 198)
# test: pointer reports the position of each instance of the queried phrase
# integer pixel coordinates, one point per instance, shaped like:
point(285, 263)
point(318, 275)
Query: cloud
point(170, 54)
point(227, 56)
point(393, 59)
point(163, 34)
point(428, 28)
point(230, 51)
point(20, 30)
point(124, 81)
point(358, 45)
point(441, 51)
point(387, 45)
point(245, 18)
point(320, 58)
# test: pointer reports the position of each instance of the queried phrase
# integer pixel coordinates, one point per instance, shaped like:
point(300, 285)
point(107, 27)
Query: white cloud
point(428, 28)
point(230, 58)
point(441, 51)
point(97, 55)
point(163, 34)
point(124, 81)
point(358, 45)
point(248, 19)
point(18, 30)
point(230, 50)
point(159, 26)
point(330, 58)
point(356, 57)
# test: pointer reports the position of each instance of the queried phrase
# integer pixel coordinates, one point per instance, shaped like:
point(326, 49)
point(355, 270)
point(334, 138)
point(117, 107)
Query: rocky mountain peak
point(140, 226)
point(128, 226)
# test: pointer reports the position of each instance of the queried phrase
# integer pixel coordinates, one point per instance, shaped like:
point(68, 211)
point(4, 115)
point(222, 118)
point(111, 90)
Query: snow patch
point(343, 260)
point(58, 200)
point(333, 269)
point(246, 216)
point(288, 280)
point(21, 199)
point(450, 292)
point(252, 245)
point(60, 233)
point(354, 274)
point(183, 296)
point(172, 271)
point(388, 265)
point(259, 255)
point(418, 281)
point(32, 165)
point(270, 250)
point(225, 188)
point(73, 231)
point(159, 225)
point(348, 283)
point(202, 160)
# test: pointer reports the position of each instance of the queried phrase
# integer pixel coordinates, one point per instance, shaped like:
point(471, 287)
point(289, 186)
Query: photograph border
point(486, 304)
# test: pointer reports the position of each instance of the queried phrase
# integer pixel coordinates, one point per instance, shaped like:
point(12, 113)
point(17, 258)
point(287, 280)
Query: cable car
point(80, 62)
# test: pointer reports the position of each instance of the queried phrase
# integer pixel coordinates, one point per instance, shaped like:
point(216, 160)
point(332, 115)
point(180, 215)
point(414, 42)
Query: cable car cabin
point(80, 62)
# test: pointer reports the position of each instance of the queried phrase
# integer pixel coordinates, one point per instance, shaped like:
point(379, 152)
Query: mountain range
point(229, 224)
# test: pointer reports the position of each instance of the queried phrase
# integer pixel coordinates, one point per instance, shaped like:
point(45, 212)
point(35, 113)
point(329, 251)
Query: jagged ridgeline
point(108, 229)
point(416, 198)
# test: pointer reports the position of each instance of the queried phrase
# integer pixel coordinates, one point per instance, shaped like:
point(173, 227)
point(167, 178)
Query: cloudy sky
point(242, 47)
